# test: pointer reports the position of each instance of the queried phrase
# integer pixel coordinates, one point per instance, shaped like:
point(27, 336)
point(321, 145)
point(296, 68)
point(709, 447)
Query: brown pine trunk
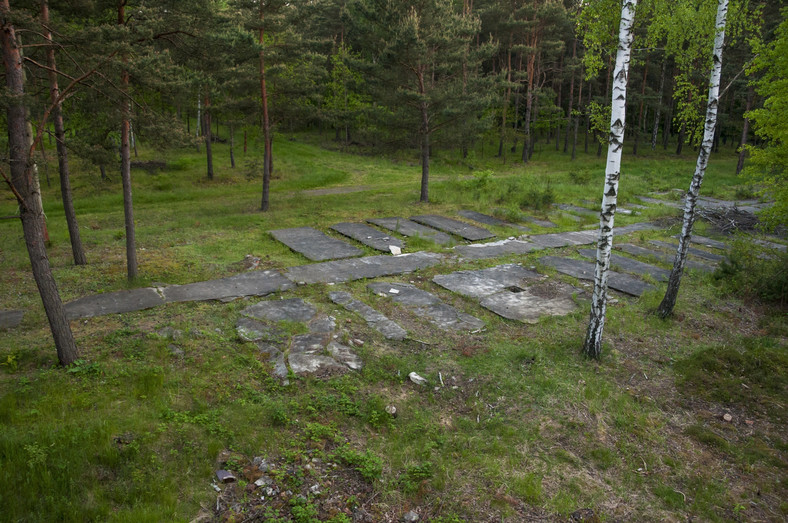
point(232, 146)
point(506, 100)
point(30, 209)
point(266, 122)
point(655, 131)
point(425, 143)
point(62, 154)
point(745, 131)
point(640, 112)
point(577, 120)
point(529, 71)
point(208, 134)
point(125, 164)
point(571, 99)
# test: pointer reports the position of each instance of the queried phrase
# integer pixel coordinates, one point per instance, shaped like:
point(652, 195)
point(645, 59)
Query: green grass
point(523, 426)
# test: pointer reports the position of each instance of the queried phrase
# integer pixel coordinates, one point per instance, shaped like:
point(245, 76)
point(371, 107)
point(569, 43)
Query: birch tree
point(669, 301)
point(593, 342)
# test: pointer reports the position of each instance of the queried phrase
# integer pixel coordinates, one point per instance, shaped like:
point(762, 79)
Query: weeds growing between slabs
point(522, 426)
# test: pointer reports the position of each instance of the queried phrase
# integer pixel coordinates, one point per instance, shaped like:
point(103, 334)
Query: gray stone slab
point(253, 283)
point(276, 358)
point(547, 224)
point(314, 244)
point(322, 324)
point(406, 227)
point(11, 319)
point(708, 242)
point(490, 220)
point(456, 227)
point(309, 343)
point(427, 305)
point(771, 245)
point(585, 271)
point(113, 303)
point(575, 209)
point(564, 239)
point(315, 364)
point(294, 309)
point(637, 250)
point(367, 235)
point(655, 201)
point(483, 282)
point(692, 250)
point(250, 329)
point(344, 355)
point(389, 328)
point(480, 251)
point(629, 265)
point(359, 268)
point(549, 298)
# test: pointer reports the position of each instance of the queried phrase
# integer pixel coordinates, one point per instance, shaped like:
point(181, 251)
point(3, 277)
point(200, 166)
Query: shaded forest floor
point(680, 419)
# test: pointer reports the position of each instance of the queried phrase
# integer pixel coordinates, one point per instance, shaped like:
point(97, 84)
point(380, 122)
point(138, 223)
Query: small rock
point(225, 476)
point(395, 250)
point(175, 350)
point(584, 514)
point(410, 517)
point(727, 417)
point(270, 492)
point(264, 481)
point(315, 489)
point(393, 291)
point(418, 380)
point(358, 343)
point(392, 410)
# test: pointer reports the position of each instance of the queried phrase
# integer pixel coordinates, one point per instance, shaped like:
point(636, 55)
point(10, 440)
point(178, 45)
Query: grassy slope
point(132, 434)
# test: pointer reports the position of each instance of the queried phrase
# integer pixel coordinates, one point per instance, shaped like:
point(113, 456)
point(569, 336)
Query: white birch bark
point(669, 301)
point(593, 342)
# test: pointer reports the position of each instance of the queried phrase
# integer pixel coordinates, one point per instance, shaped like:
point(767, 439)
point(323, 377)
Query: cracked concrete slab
point(637, 250)
point(456, 227)
point(388, 328)
point(630, 265)
point(483, 282)
point(293, 309)
point(114, 303)
point(585, 271)
point(253, 283)
point(691, 250)
point(314, 244)
point(480, 251)
point(11, 319)
point(533, 302)
point(367, 235)
point(406, 227)
point(359, 268)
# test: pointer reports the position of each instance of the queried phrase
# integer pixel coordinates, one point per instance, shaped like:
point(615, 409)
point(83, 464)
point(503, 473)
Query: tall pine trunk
point(593, 342)
point(745, 130)
point(267, 161)
point(208, 137)
point(232, 146)
point(655, 130)
point(577, 118)
point(62, 154)
point(125, 163)
point(640, 111)
point(571, 98)
point(31, 213)
point(669, 301)
point(425, 142)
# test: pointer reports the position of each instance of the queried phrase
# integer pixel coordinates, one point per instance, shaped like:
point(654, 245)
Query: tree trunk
point(655, 130)
point(577, 119)
point(571, 99)
point(103, 171)
point(30, 209)
point(208, 137)
point(560, 91)
point(669, 301)
point(506, 100)
point(593, 342)
point(62, 153)
point(266, 121)
point(425, 143)
point(640, 111)
point(232, 146)
point(745, 130)
point(125, 164)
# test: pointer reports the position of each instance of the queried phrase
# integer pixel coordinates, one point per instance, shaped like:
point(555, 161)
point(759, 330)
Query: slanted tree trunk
point(655, 130)
point(208, 137)
point(266, 122)
point(745, 130)
point(31, 213)
point(125, 164)
point(593, 342)
point(669, 301)
point(62, 154)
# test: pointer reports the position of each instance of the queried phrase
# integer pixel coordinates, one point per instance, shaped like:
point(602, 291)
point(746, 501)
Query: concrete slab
point(276, 358)
point(367, 235)
point(11, 319)
point(359, 268)
point(406, 227)
point(388, 328)
point(315, 364)
point(585, 271)
point(490, 220)
point(480, 251)
point(575, 209)
point(344, 355)
point(564, 239)
point(314, 244)
point(253, 283)
point(692, 250)
point(547, 224)
point(113, 303)
point(483, 282)
point(629, 265)
point(250, 329)
point(456, 227)
point(655, 201)
point(548, 298)
point(427, 305)
point(708, 242)
point(294, 309)
point(662, 256)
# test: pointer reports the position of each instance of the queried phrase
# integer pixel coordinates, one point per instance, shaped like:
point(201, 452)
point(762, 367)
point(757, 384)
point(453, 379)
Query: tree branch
point(13, 190)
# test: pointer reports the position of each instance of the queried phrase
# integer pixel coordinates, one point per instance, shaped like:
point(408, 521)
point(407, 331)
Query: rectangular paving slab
point(461, 229)
point(314, 244)
point(585, 271)
point(692, 250)
point(564, 239)
point(483, 282)
point(367, 235)
point(707, 242)
point(490, 220)
point(480, 251)
point(406, 227)
point(575, 209)
point(11, 319)
point(388, 328)
point(252, 283)
point(427, 305)
point(630, 265)
point(367, 267)
point(637, 250)
point(114, 303)
point(547, 224)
